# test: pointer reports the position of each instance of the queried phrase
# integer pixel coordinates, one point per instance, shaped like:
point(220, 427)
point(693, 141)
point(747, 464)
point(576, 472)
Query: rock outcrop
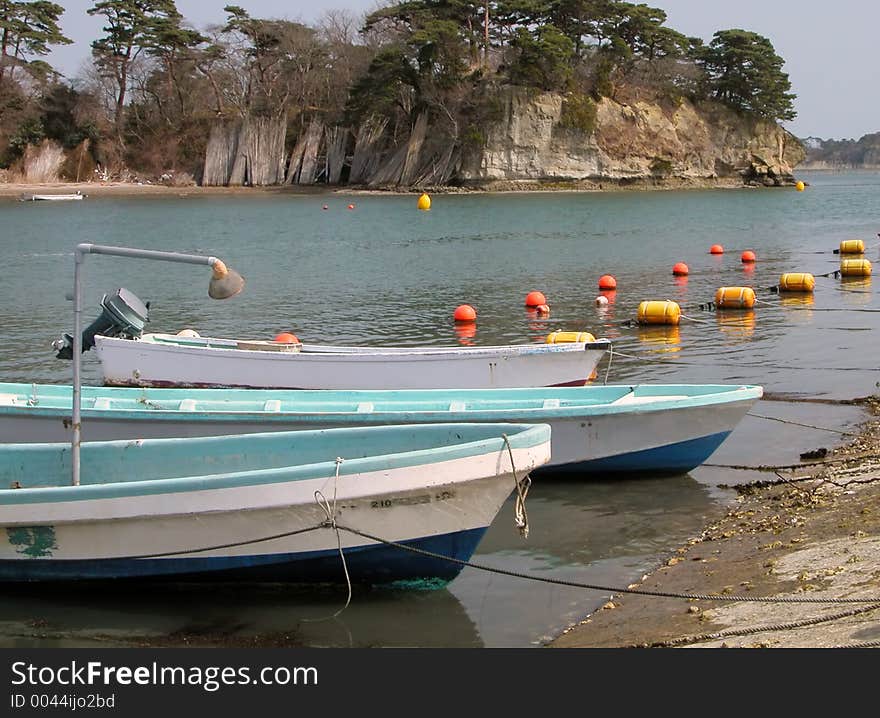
point(642, 143)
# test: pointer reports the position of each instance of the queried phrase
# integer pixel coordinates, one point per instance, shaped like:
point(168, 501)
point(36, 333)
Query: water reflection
point(227, 614)
point(738, 325)
point(660, 338)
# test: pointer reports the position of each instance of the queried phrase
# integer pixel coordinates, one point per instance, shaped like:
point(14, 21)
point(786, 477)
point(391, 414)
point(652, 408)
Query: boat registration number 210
point(411, 500)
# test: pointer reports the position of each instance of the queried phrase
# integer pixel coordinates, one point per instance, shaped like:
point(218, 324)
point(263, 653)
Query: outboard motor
point(123, 315)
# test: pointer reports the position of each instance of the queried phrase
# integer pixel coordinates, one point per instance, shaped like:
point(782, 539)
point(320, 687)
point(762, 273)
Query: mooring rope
point(521, 517)
point(330, 522)
point(793, 625)
point(608, 589)
point(806, 426)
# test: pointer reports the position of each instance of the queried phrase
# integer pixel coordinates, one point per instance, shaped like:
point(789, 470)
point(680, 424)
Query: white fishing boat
point(281, 506)
point(68, 197)
point(639, 428)
point(169, 360)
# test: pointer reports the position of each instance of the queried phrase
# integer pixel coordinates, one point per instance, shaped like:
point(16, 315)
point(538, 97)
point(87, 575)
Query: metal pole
point(79, 256)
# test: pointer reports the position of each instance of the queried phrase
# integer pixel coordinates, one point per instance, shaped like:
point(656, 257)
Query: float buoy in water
point(716, 249)
point(286, 338)
point(606, 281)
point(748, 256)
point(680, 269)
point(424, 202)
point(735, 298)
point(464, 313)
point(797, 282)
point(855, 268)
point(659, 312)
point(535, 299)
point(560, 337)
point(852, 246)
point(799, 186)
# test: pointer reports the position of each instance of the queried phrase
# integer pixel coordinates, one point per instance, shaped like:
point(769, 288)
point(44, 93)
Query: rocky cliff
point(533, 143)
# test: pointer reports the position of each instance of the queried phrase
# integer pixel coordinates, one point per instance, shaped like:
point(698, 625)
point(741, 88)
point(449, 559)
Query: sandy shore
point(808, 533)
point(129, 189)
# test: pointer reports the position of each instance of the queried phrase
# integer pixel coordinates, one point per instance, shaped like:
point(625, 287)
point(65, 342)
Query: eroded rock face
point(642, 142)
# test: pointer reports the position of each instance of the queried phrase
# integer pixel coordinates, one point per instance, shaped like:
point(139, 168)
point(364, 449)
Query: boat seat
point(272, 405)
point(102, 402)
point(456, 406)
point(551, 403)
point(187, 405)
point(365, 407)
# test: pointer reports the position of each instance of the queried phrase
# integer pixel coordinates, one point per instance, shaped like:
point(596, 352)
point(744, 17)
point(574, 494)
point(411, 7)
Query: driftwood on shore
point(220, 153)
point(367, 150)
point(248, 151)
point(401, 167)
point(336, 139)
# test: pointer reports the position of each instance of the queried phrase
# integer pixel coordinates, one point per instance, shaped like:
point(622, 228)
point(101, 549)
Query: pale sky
point(828, 47)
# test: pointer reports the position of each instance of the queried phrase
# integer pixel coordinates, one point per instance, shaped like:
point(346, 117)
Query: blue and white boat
point(279, 506)
point(654, 428)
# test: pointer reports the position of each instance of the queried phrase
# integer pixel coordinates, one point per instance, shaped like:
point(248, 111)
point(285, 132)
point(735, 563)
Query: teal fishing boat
point(282, 506)
point(638, 428)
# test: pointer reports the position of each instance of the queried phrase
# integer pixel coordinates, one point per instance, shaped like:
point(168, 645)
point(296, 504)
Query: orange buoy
point(535, 299)
point(542, 309)
point(735, 298)
point(680, 269)
point(606, 281)
point(797, 282)
point(465, 313)
point(286, 338)
point(662, 312)
point(748, 256)
point(560, 337)
point(716, 249)
point(351, 206)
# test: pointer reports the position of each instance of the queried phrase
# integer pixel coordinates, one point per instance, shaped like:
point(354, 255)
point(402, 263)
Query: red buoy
point(465, 313)
point(680, 269)
point(286, 338)
point(351, 206)
point(606, 281)
point(748, 256)
point(716, 249)
point(535, 299)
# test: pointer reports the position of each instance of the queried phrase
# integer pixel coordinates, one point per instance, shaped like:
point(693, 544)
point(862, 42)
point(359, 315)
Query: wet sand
point(812, 532)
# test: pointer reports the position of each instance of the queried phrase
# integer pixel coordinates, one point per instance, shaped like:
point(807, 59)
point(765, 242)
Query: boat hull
point(176, 363)
point(619, 432)
point(269, 525)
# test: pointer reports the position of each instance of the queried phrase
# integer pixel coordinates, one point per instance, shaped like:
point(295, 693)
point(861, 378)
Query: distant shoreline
point(130, 189)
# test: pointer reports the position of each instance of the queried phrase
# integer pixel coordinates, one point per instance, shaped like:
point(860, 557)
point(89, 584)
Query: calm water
point(385, 273)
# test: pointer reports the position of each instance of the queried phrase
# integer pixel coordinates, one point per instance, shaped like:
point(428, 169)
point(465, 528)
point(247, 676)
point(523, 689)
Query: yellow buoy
point(424, 201)
point(855, 267)
point(659, 312)
point(799, 186)
point(797, 282)
point(852, 246)
point(735, 298)
point(560, 337)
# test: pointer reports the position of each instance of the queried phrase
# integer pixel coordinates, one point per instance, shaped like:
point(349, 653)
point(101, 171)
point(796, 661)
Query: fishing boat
point(171, 360)
point(656, 428)
point(72, 196)
point(278, 506)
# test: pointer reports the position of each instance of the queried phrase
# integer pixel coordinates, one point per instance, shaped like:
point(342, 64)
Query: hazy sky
point(828, 47)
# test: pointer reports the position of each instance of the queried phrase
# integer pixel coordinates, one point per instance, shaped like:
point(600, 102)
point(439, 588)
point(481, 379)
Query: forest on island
point(394, 97)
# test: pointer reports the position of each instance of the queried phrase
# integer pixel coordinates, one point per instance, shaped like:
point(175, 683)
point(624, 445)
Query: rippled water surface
point(385, 273)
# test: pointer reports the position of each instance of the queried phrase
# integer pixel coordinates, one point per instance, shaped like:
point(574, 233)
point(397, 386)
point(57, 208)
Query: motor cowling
point(122, 315)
